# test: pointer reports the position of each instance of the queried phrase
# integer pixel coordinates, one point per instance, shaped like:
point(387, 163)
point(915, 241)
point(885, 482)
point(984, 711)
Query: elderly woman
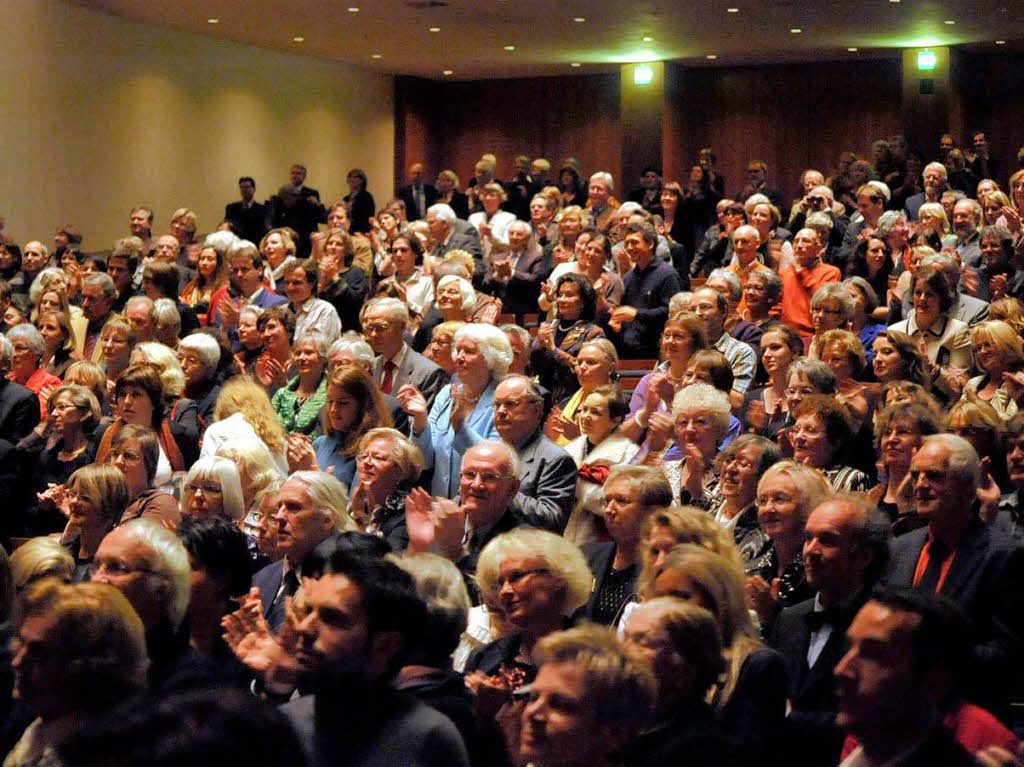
point(631, 494)
point(55, 328)
point(135, 450)
point(823, 427)
point(558, 342)
point(831, 308)
point(456, 299)
point(276, 327)
point(1000, 357)
point(864, 321)
point(440, 349)
point(492, 222)
point(39, 558)
point(168, 322)
point(842, 351)
point(766, 409)
point(463, 411)
point(898, 358)
point(389, 466)
point(740, 466)
point(750, 698)
point(199, 357)
point(95, 496)
point(538, 580)
point(786, 495)
point(29, 351)
point(997, 276)
point(212, 489)
point(298, 404)
point(600, 446)
point(244, 413)
point(249, 339)
point(341, 283)
point(899, 430)
point(945, 340)
point(761, 294)
point(595, 366)
point(683, 335)
point(700, 414)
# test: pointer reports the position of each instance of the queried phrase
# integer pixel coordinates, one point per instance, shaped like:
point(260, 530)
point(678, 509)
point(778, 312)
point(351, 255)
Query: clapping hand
point(415, 406)
point(434, 524)
point(301, 456)
point(270, 372)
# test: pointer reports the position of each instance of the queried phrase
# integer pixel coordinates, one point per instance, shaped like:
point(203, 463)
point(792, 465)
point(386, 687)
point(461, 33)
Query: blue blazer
point(443, 448)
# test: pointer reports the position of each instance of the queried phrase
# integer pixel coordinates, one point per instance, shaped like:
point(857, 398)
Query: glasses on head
point(205, 487)
point(516, 577)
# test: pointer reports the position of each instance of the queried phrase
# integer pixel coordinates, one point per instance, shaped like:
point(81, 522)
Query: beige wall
point(100, 114)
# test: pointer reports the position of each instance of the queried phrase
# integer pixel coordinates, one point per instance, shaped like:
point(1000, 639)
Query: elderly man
point(417, 195)
point(166, 250)
point(140, 224)
point(757, 183)
point(809, 179)
point(845, 551)
point(821, 200)
point(547, 480)
point(935, 184)
point(448, 234)
point(906, 650)
point(515, 277)
point(959, 557)
point(35, 257)
point(310, 509)
point(746, 255)
point(148, 564)
point(361, 616)
point(802, 278)
point(601, 211)
point(98, 296)
point(311, 313)
point(384, 322)
point(966, 217)
point(140, 311)
point(636, 325)
point(247, 217)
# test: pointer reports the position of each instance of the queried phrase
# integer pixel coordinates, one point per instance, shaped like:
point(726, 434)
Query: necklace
point(565, 329)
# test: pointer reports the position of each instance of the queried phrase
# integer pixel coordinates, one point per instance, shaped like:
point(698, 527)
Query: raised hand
point(270, 372)
point(301, 455)
point(415, 406)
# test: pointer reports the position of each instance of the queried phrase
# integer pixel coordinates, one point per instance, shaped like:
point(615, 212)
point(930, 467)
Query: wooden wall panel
point(992, 102)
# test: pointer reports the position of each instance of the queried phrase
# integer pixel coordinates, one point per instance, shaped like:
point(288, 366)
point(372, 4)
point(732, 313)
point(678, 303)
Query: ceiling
point(393, 36)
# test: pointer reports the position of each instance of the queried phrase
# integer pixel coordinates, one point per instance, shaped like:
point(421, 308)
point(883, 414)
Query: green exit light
point(643, 75)
point(926, 60)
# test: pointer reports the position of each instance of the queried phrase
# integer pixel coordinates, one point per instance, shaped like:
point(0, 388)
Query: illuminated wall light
point(950, 22)
point(510, 47)
point(732, 10)
point(448, 72)
point(647, 39)
point(213, 21)
point(1000, 42)
point(926, 60)
point(643, 75)
point(353, 9)
point(375, 56)
point(795, 31)
point(434, 29)
point(579, 19)
point(711, 57)
point(298, 39)
point(852, 50)
point(575, 64)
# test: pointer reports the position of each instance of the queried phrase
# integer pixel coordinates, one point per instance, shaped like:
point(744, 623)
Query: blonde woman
point(243, 412)
point(999, 355)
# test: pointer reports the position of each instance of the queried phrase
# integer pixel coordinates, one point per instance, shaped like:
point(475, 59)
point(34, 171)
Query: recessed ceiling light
point(711, 56)
point(448, 72)
point(575, 64)
point(852, 50)
point(949, 21)
point(213, 21)
point(510, 47)
point(796, 30)
point(1000, 42)
point(375, 56)
point(894, 2)
point(434, 29)
point(647, 39)
point(298, 39)
point(579, 19)
point(732, 10)
point(353, 9)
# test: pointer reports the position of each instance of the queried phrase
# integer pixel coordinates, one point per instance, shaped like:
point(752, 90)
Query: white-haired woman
point(199, 357)
point(212, 489)
point(29, 351)
point(700, 416)
point(463, 411)
point(298, 405)
point(455, 298)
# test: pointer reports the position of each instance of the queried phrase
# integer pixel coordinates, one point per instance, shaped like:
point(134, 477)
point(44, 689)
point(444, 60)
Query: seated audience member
point(761, 294)
point(249, 339)
point(997, 276)
point(274, 365)
point(278, 250)
point(140, 312)
point(98, 295)
point(637, 324)
point(384, 322)
point(1010, 518)
point(311, 508)
point(899, 430)
point(727, 283)
point(608, 688)
point(244, 414)
point(388, 726)
point(117, 339)
point(821, 431)
point(766, 409)
point(312, 314)
point(631, 494)
point(831, 309)
point(149, 565)
point(160, 280)
point(594, 262)
point(683, 645)
point(559, 342)
point(439, 351)
point(342, 284)
point(734, 503)
point(595, 367)
point(547, 473)
point(168, 322)
point(845, 552)
point(713, 308)
point(864, 322)
point(135, 450)
point(872, 262)
point(959, 557)
point(39, 558)
point(81, 651)
point(94, 498)
point(844, 354)
point(299, 403)
point(898, 358)
point(802, 279)
point(59, 341)
point(211, 276)
point(199, 356)
point(463, 413)
point(595, 452)
point(750, 699)
point(212, 489)
point(999, 355)
point(29, 350)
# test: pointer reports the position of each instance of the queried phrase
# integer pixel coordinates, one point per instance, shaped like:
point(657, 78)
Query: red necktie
point(389, 377)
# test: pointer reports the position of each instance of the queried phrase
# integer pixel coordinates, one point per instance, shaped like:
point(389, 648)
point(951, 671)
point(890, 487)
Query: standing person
point(802, 279)
point(247, 217)
point(419, 195)
point(312, 314)
point(359, 201)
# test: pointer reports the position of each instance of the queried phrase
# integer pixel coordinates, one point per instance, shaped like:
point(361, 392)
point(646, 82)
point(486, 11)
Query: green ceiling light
point(926, 60)
point(642, 74)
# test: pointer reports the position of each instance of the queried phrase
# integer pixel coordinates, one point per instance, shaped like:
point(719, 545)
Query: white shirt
point(320, 317)
point(820, 637)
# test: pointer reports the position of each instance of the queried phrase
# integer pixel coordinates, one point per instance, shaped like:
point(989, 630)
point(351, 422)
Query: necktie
point(388, 381)
point(289, 585)
point(819, 618)
point(937, 554)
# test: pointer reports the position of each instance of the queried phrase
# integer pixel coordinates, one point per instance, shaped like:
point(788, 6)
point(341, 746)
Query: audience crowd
point(531, 472)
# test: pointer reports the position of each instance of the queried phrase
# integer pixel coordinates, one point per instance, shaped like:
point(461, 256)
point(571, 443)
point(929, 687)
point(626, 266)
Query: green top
point(296, 418)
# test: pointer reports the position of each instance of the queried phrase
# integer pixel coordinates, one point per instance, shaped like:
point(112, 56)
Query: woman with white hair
point(298, 405)
point(389, 464)
point(212, 489)
point(199, 357)
point(29, 351)
point(463, 411)
point(456, 298)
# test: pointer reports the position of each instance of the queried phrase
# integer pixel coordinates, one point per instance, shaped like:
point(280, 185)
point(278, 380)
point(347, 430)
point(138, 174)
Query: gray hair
point(318, 340)
point(328, 494)
point(606, 177)
point(395, 309)
point(772, 281)
point(519, 332)
point(104, 281)
point(29, 334)
point(963, 459)
point(679, 302)
point(443, 212)
point(735, 288)
point(945, 262)
point(819, 219)
point(824, 191)
point(865, 289)
point(465, 287)
point(166, 555)
point(934, 166)
point(816, 372)
point(6, 353)
point(703, 397)
point(225, 473)
point(207, 346)
point(811, 485)
point(834, 291)
point(221, 241)
point(252, 309)
point(353, 342)
point(145, 301)
point(492, 343)
point(888, 220)
point(166, 314)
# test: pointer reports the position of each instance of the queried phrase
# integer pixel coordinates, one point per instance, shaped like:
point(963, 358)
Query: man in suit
point(247, 217)
point(362, 615)
point(446, 235)
point(307, 194)
point(417, 195)
point(311, 506)
point(601, 187)
point(905, 651)
point(845, 551)
point(547, 480)
point(959, 557)
point(98, 296)
point(516, 279)
point(245, 267)
point(935, 183)
point(384, 321)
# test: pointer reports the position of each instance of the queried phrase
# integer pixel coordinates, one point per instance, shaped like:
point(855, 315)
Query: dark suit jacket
point(547, 487)
point(19, 411)
point(599, 558)
point(268, 581)
point(519, 295)
point(465, 237)
point(984, 580)
point(416, 370)
point(412, 210)
point(249, 223)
